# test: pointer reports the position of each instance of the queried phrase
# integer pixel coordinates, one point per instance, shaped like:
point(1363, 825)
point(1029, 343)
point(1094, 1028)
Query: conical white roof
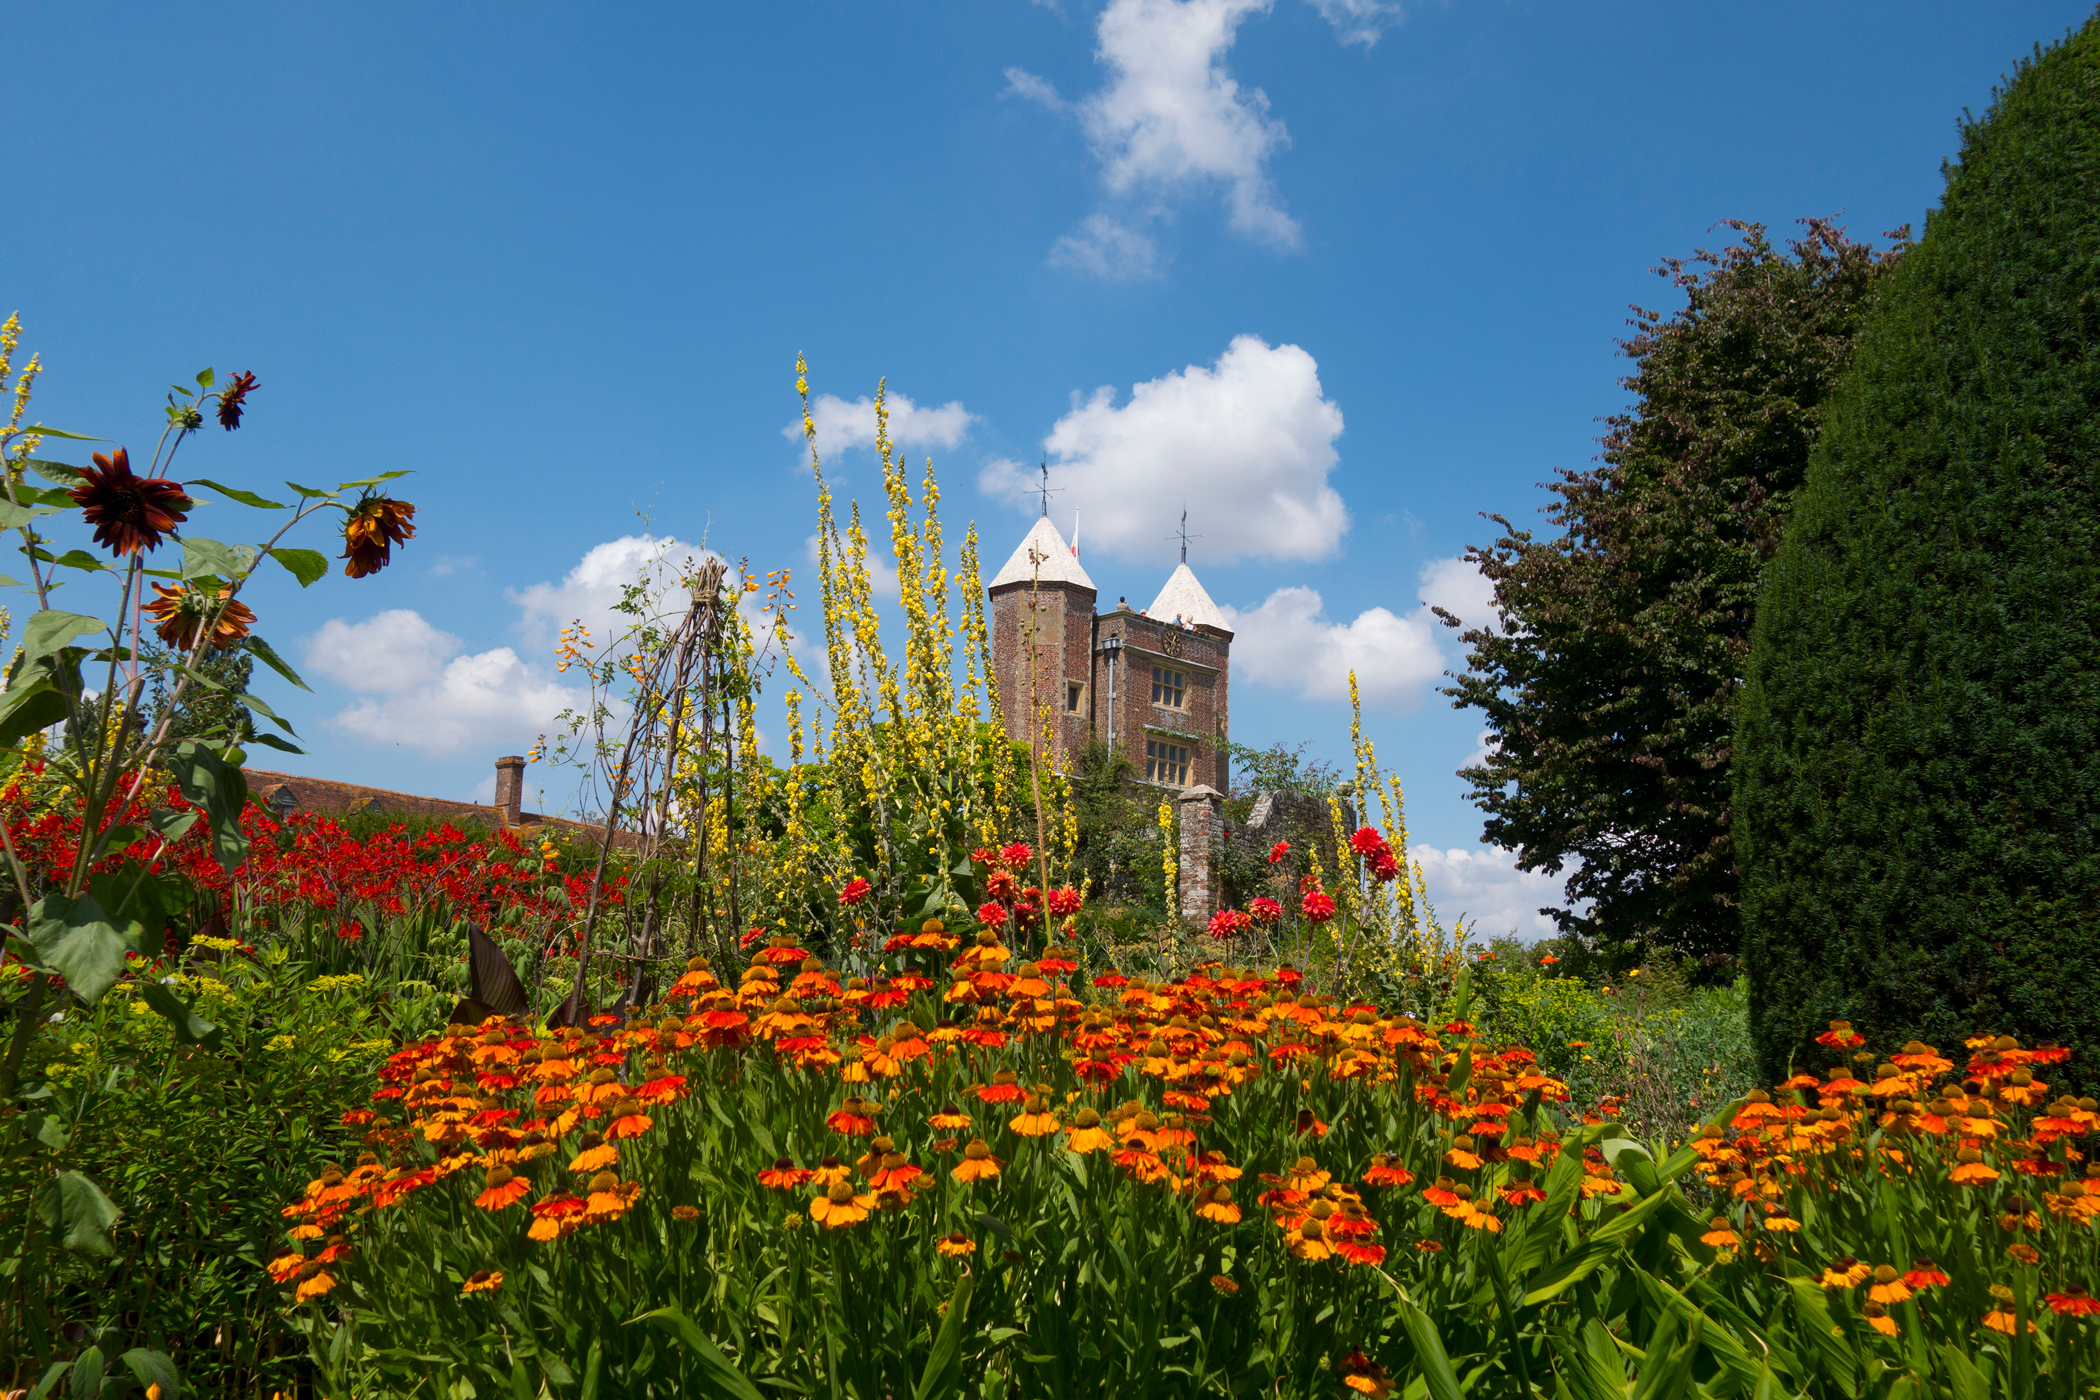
point(1053, 560)
point(1183, 597)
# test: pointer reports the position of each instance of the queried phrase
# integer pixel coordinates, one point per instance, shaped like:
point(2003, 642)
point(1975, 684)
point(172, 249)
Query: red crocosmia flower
point(1366, 841)
point(1016, 855)
point(129, 513)
point(1264, 910)
point(1318, 907)
point(992, 915)
point(856, 890)
point(1065, 902)
point(1278, 851)
point(746, 940)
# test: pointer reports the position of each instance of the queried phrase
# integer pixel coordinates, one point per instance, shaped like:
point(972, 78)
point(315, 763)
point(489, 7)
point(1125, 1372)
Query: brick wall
point(1059, 619)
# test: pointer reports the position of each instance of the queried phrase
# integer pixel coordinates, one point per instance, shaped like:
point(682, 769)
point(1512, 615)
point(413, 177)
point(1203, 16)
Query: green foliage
point(195, 1139)
point(1665, 1052)
point(1118, 848)
point(1918, 762)
point(205, 712)
point(1608, 685)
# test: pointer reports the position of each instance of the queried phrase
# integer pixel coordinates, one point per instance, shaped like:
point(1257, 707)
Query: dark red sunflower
point(187, 613)
point(376, 525)
point(129, 513)
point(232, 399)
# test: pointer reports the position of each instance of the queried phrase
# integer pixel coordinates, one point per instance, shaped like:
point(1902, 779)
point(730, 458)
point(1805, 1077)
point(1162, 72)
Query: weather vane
point(1046, 490)
point(1184, 536)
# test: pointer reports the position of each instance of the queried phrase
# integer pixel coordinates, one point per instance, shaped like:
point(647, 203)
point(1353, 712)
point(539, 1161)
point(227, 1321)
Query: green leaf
point(246, 498)
point(371, 480)
point(271, 741)
point(309, 566)
point(58, 473)
point(252, 703)
point(309, 492)
point(205, 377)
point(190, 1028)
point(1441, 1380)
point(41, 431)
point(52, 1375)
point(13, 517)
point(56, 496)
point(78, 1205)
point(28, 706)
point(170, 823)
point(217, 786)
point(260, 648)
point(151, 1368)
point(78, 940)
point(202, 558)
point(942, 1378)
point(81, 559)
point(1963, 1377)
point(718, 1376)
point(47, 631)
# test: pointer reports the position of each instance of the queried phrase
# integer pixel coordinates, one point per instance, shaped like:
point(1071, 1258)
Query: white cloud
point(416, 689)
point(591, 592)
point(1485, 746)
point(1459, 588)
point(1358, 21)
point(1485, 888)
point(1289, 642)
point(1107, 248)
point(842, 424)
point(446, 565)
point(1029, 88)
point(1247, 445)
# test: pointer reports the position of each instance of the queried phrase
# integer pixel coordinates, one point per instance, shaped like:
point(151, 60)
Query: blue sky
point(1368, 263)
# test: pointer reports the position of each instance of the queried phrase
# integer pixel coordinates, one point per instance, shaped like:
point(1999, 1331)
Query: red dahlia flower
point(1366, 841)
point(1065, 902)
point(1318, 907)
point(1264, 910)
point(856, 890)
point(1016, 855)
point(992, 915)
point(1278, 851)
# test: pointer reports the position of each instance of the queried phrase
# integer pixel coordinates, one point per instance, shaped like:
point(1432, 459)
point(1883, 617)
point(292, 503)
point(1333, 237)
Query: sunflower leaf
point(246, 498)
point(58, 473)
point(306, 565)
point(214, 783)
point(309, 492)
point(371, 480)
point(189, 1027)
point(41, 431)
point(47, 632)
point(271, 741)
point(272, 660)
point(208, 558)
point(79, 1205)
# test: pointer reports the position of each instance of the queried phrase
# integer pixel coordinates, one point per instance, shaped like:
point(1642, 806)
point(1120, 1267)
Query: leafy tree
point(1918, 770)
point(203, 712)
point(1609, 683)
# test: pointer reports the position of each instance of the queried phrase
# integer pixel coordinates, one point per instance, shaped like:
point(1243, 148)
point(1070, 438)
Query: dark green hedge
point(1917, 770)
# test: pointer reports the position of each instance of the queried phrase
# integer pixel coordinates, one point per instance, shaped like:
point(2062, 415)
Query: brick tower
point(1043, 641)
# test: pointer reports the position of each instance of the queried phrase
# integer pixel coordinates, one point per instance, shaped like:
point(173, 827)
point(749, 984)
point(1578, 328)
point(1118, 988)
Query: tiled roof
point(1053, 561)
point(291, 792)
point(1183, 597)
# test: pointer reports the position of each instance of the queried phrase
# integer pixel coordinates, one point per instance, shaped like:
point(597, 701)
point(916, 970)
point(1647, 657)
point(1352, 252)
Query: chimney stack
point(510, 789)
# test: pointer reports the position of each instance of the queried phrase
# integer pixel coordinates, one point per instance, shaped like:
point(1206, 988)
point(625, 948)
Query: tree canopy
point(1918, 763)
point(1609, 681)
